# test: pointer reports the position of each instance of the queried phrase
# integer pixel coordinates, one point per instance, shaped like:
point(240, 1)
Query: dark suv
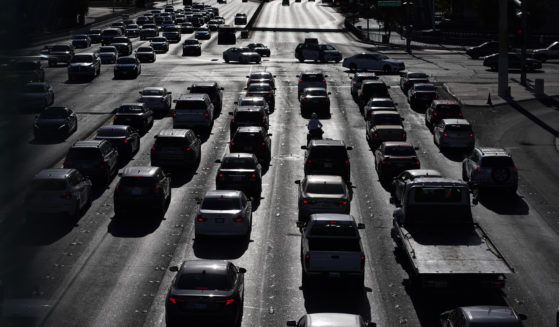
point(252, 139)
point(490, 168)
point(142, 188)
point(441, 109)
point(96, 159)
point(213, 90)
point(371, 89)
point(239, 171)
point(137, 115)
point(176, 147)
point(248, 116)
point(327, 157)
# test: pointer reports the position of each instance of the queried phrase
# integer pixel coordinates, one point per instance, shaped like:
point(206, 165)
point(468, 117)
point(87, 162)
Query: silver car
point(454, 133)
point(330, 320)
point(245, 101)
point(58, 190)
point(38, 94)
point(242, 55)
point(378, 104)
point(323, 194)
point(310, 79)
point(224, 213)
point(156, 98)
point(108, 54)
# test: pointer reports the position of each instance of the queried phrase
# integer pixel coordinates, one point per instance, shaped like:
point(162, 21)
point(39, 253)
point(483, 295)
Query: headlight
point(62, 126)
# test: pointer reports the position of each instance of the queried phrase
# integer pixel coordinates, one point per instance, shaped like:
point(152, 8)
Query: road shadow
point(41, 230)
point(503, 203)
point(532, 117)
point(340, 296)
point(133, 225)
point(456, 155)
point(180, 177)
point(48, 140)
point(225, 248)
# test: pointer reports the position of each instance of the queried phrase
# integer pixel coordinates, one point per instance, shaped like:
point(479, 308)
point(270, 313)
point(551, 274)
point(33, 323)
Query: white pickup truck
point(331, 248)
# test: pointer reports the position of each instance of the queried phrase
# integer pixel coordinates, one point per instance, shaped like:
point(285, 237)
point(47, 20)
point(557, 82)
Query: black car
point(172, 33)
point(327, 157)
point(123, 39)
point(187, 28)
point(207, 290)
point(191, 47)
point(137, 115)
point(132, 30)
point(260, 49)
point(515, 62)
point(262, 90)
point(61, 53)
point(213, 90)
point(148, 33)
point(146, 54)
point(96, 159)
point(248, 116)
point(86, 65)
point(123, 137)
point(421, 95)
point(81, 41)
point(108, 34)
point(176, 148)
point(159, 44)
point(484, 49)
point(392, 158)
point(55, 122)
point(371, 89)
point(127, 67)
point(141, 190)
point(261, 77)
point(252, 139)
point(315, 100)
point(239, 171)
point(94, 35)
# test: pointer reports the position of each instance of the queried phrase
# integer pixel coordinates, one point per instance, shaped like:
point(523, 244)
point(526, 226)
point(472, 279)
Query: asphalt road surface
point(99, 271)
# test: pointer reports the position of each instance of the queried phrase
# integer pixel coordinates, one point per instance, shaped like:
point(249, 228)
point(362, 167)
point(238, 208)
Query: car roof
point(327, 142)
point(384, 112)
point(486, 314)
point(381, 99)
point(365, 74)
point(423, 172)
point(312, 72)
point(88, 144)
point(204, 84)
point(434, 181)
point(114, 128)
point(249, 129)
point(324, 179)
point(239, 155)
point(223, 194)
point(260, 84)
point(53, 173)
point(331, 216)
point(454, 121)
point(445, 102)
point(315, 89)
point(494, 151)
point(153, 88)
point(193, 96)
point(397, 143)
point(84, 53)
point(372, 81)
point(255, 98)
point(125, 57)
point(249, 109)
point(144, 171)
point(199, 266)
point(333, 320)
point(172, 133)
point(423, 84)
point(133, 104)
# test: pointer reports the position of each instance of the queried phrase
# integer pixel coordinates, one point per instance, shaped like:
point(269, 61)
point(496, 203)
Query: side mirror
point(297, 76)
point(221, 88)
point(416, 148)
point(230, 113)
point(274, 76)
point(140, 92)
point(360, 226)
point(174, 268)
point(392, 201)
point(248, 76)
point(371, 324)
point(388, 86)
point(402, 118)
point(169, 92)
point(188, 88)
point(329, 93)
point(235, 102)
point(175, 101)
point(303, 147)
point(242, 270)
point(298, 182)
point(349, 147)
point(269, 134)
point(325, 75)
point(292, 323)
point(218, 161)
point(301, 224)
point(244, 88)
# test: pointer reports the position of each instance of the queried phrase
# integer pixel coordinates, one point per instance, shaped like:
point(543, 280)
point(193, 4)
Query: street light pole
point(524, 13)
point(503, 86)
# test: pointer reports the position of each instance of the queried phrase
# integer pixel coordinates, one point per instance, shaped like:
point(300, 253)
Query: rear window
point(82, 58)
point(328, 152)
point(145, 49)
point(238, 163)
point(370, 88)
point(48, 185)
point(136, 181)
point(191, 42)
point(497, 162)
point(202, 89)
point(170, 142)
point(248, 138)
point(438, 194)
point(250, 116)
point(159, 39)
point(458, 128)
point(130, 109)
point(382, 104)
point(424, 87)
point(399, 151)
point(447, 108)
point(111, 132)
point(221, 204)
point(333, 228)
point(251, 103)
point(34, 88)
point(258, 87)
point(153, 92)
point(190, 105)
point(203, 281)
point(54, 113)
point(327, 47)
point(260, 76)
point(387, 120)
point(126, 61)
point(84, 154)
point(312, 78)
point(417, 75)
point(323, 188)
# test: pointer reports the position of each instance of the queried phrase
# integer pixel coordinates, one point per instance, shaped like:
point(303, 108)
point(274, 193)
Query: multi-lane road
point(99, 271)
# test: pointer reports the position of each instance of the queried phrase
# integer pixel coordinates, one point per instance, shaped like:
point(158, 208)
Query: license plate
point(200, 306)
point(334, 275)
point(136, 191)
point(127, 119)
point(328, 165)
point(247, 148)
point(218, 220)
point(236, 178)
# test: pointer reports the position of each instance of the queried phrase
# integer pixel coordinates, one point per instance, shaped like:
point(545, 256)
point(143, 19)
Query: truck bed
point(452, 251)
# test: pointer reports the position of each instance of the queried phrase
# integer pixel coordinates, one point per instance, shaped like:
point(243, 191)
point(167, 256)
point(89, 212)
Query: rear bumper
point(214, 229)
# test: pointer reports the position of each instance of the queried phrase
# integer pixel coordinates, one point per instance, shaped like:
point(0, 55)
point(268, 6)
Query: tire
point(387, 69)
point(353, 67)
point(226, 59)
point(500, 175)
point(301, 59)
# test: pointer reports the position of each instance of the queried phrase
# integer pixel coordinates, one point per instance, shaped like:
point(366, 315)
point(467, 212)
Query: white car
point(242, 55)
point(373, 61)
point(331, 320)
point(224, 213)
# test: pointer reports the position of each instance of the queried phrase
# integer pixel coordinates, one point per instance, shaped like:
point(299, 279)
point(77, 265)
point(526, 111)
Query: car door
point(373, 62)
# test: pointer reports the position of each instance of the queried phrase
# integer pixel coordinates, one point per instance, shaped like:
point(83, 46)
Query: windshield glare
point(82, 58)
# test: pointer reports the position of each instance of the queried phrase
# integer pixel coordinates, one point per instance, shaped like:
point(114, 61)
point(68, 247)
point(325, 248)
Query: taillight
point(435, 114)
point(174, 300)
point(67, 196)
point(227, 302)
point(436, 95)
point(300, 80)
point(140, 100)
point(270, 95)
point(415, 96)
point(114, 118)
point(174, 115)
point(304, 99)
point(156, 188)
point(153, 149)
point(445, 134)
point(362, 262)
point(309, 162)
point(232, 143)
point(387, 94)
point(238, 219)
point(102, 166)
point(125, 141)
point(344, 203)
point(248, 94)
point(361, 94)
point(404, 135)
point(347, 162)
point(253, 176)
point(307, 260)
point(188, 149)
point(417, 162)
point(305, 202)
point(327, 100)
point(220, 175)
point(324, 80)
point(200, 219)
point(515, 169)
point(263, 143)
point(263, 121)
point(375, 134)
point(206, 115)
point(116, 188)
point(382, 162)
point(459, 114)
point(478, 169)
point(232, 121)
point(354, 84)
point(471, 134)
point(164, 100)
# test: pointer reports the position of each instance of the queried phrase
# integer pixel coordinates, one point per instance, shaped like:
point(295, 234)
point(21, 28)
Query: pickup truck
point(434, 231)
point(331, 249)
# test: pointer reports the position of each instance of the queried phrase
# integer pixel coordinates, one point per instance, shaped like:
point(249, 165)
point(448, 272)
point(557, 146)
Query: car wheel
point(387, 69)
point(226, 59)
point(353, 67)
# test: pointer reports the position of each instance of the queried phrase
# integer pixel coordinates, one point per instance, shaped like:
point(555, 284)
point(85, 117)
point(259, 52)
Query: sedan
point(108, 54)
point(399, 182)
point(515, 62)
point(252, 139)
point(391, 158)
point(482, 50)
point(551, 52)
point(242, 55)
point(81, 41)
point(316, 100)
point(202, 33)
point(55, 121)
point(156, 98)
point(331, 319)
point(137, 115)
point(205, 289)
point(421, 95)
point(159, 44)
point(384, 126)
point(37, 95)
point(262, 90)
point(248, 116)
point(132, 30)
point(407, 80)
point(373, 61)
point(186, 28)
point(245, 101)
point(239, 171)
point(127, 66)
point(94, 35)
point(124, 138)
point(191, 48)
point(323, 194)
point(378, 104)
point(224, 213)
point(454, 134)
point(146, 54)
point(261, 77)
point(260, 48)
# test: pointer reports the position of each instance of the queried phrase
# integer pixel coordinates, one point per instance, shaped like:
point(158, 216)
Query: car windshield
point(457, 128)
point(312, 78)
point(48, 185)
point(34, 88)
point(317, 93)
point(111, 132)
point(136, 181)
point(84, 154)
point(382, 104)
point(82, 59)
point(54, 113)
point(191, 42)
point(238, 163)
point(127, 109)
point(328, 152)
point(424, 87)
point(324, 188)
point(259, 87)
point(249, 116)
point(203, 281)
point(60, 48)
point(497, 162)
point(333, 228)
point(126, 61)
point(399, 151)
point(153, 92)
point(159, 39)
point(252, 102)
point(417, 75)
point(438, 194)
point(224, 203)
point(144, 49)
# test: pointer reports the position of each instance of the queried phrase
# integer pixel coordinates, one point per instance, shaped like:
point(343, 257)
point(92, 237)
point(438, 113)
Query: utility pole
point(503, 86)
point(524, 17)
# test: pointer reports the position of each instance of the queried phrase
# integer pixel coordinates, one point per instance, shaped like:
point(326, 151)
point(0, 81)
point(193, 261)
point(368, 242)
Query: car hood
point(107, 54)
point(81, 64)
point(125, 66)
point(50, 122)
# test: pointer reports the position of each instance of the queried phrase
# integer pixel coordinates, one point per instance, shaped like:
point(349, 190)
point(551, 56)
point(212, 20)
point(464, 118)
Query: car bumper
point(457, 144)
point(218, 229)
point(191, 124)
point(82, 74)
point(307, 210)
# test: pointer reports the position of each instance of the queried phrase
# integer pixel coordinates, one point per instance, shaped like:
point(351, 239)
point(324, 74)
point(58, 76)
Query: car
point(373, 61)
point(490, 168)
point(151, 26)
point(223, 213)
point(159, 44)
point(371, 89)
point(142, 190)
point(317, 52)
point(251, 101)
point(143, 20)
point(213, 90)
point(60, 53)
point(252, 139)
point(37, 95)
point(408, 79)
point(137, 115)
point(119, 25)
point(172, 33)
point(108, 54)
point(285, 2)
point(441, 109)
point(514, 62)
point(260, 48)
point(421, 95)
point(262, 90)
point(378, 104)
point(123, 40)
point(123, 137)
point(382, 126)
point(311, 79)
point(501, 316)
point(194, 111)
point(186, 28)
point(55, 122)
point(191, 48)
point(399, 182)
point(482, 50)
point(391, 158)
point(58, 190)
point(176, 148)
point(123, 49)
point(158, 99)
point(330, 320)
point(241, 55)
point(454, 134)
point(145, 54)
point(84, 65)
point(248, 116)
point(81, 41)
point(327, 157)
point(323, 194)
point(108, 34)
point(239, 171)
point(213, 289)
point(132, 30)
point(213, 24)
point(551, 52)
point(315, 99)
point(94, 35)
point(240, 19)
point(357, 79)
point(148, 33)
point(128, 66)
point(261, 77)
point(202, 33)
point(97, 159)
